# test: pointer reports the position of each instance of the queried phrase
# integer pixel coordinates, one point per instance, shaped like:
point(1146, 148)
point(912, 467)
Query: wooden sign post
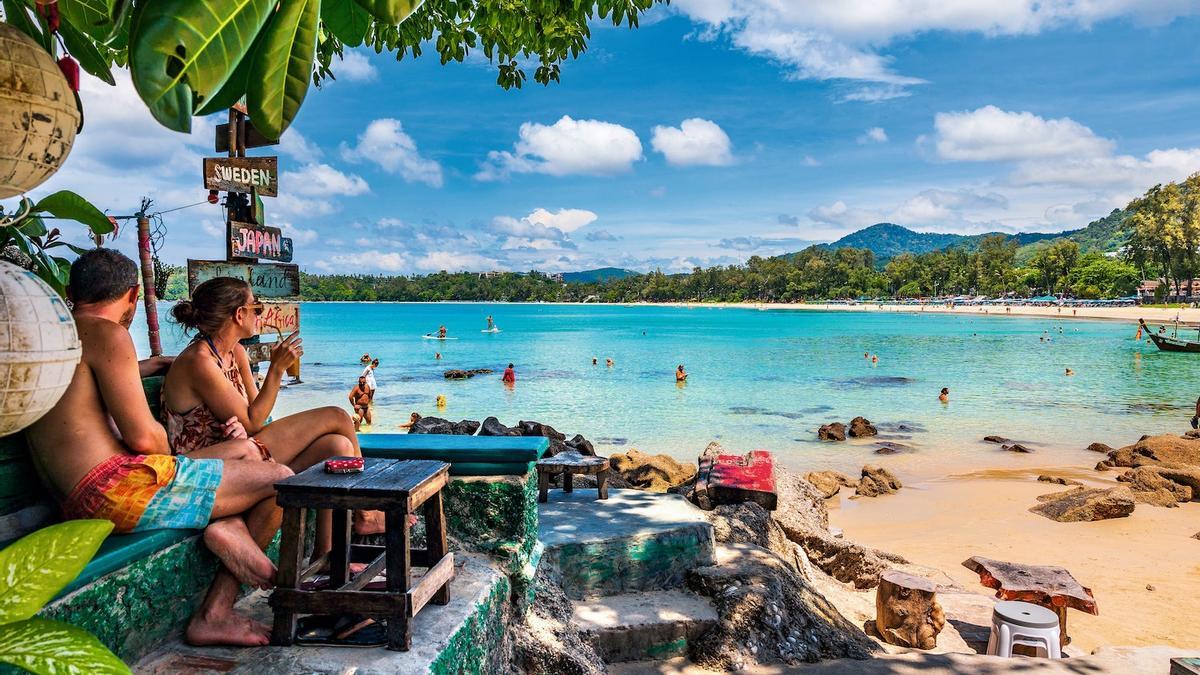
point(249, 239)
point(242, 174)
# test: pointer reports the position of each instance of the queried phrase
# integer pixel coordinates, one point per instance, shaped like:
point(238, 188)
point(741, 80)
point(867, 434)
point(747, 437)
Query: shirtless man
point(103, 455)
point(360, 401)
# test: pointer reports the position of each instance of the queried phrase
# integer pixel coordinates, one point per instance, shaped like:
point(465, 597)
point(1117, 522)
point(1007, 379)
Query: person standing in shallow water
point(944, 397)
point(680, 374)
point(510, 375)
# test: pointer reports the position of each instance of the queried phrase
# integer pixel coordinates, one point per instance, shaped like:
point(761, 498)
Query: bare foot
point(227, 628)
point(368, 522)
point(230, 541)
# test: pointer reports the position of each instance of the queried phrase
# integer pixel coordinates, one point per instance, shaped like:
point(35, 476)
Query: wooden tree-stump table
point(1051, 587)
point(907, 612)
point(568, 464)
point(396, 487)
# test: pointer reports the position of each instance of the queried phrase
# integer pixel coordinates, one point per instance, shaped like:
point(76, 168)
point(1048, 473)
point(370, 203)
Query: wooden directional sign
point(259, 241)
point(266, 280)
point(279, 318)
point(254, 138)
point(242, 174)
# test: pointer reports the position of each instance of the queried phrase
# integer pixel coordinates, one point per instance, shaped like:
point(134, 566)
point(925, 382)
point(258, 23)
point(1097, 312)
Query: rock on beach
point(1086, 504)
point(876, 481)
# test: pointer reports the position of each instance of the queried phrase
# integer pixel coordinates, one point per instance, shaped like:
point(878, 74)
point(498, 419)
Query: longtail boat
point(1172, 342)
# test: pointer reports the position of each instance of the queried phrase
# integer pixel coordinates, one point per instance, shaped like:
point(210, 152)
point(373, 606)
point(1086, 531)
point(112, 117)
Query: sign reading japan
point(266, 280)
point(242, 174)
point(259, 241)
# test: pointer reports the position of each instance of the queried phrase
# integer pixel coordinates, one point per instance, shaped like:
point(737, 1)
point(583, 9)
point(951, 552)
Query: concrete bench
point(467, 455)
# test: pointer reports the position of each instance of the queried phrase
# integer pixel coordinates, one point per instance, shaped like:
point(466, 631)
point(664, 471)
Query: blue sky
point(718, 130)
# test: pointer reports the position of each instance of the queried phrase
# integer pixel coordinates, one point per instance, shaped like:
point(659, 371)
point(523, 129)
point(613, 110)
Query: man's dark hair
point(101, 275)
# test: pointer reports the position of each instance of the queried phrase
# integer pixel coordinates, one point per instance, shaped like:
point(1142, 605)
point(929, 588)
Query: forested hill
point(888, 240)
point(600, 274)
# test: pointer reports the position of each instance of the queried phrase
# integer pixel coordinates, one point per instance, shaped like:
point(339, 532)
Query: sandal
point(348, 630)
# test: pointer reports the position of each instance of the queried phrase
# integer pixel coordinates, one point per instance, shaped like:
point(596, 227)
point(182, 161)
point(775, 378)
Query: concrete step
point(645, 625)
point(632, 541)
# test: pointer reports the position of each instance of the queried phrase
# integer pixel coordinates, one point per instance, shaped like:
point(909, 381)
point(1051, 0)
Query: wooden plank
point(254, 137)
point(399, 563)
point(430, 584)
point(266, 280)
point(279, 319)
point(339, 554)
point(371, 603)
point(367, 575)
point(435, 537)
point(242, 174)
point(291, 553)
point(249, 240)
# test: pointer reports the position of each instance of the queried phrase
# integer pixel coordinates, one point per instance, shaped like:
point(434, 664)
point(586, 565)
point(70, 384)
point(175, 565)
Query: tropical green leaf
point(92, 17)
point(33, 227)
point(234, 88)
point(260, 211)
point(390, 11)
point(347, 20)
point(37, 566)
point(67, 204)
point(183, 51)
point(84, 50)
point(52, 647)
point(282, 66)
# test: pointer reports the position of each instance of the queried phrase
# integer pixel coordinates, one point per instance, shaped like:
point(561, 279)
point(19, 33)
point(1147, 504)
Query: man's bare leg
point(238, 541)
point(215, 621)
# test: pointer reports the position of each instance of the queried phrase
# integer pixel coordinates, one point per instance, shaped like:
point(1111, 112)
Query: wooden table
point(568, 464)
point(396, 487)
point(1051, 587)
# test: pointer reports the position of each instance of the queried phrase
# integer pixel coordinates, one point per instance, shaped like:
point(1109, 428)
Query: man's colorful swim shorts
point(147, 492)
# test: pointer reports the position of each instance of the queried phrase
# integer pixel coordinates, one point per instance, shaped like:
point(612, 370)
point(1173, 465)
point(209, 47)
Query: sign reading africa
point(242, 174)
point(279, 318)
point(259, 241)
point(266, 280)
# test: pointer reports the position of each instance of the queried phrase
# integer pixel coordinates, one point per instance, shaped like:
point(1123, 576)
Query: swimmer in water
point(595, 361)
point(944, 397)
point(680, 374)
point(1070, 372)
point(608, 362)
point(875, 359)
point(416, 417)
point(437, 356)
point(866, 355)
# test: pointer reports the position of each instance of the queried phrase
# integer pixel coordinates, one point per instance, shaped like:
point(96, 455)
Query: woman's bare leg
point(288, 437)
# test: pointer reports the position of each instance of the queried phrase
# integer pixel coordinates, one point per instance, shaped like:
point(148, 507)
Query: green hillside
point(597, 275)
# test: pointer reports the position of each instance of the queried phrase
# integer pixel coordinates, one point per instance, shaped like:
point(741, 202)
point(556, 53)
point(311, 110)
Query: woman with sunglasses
point(210, 393)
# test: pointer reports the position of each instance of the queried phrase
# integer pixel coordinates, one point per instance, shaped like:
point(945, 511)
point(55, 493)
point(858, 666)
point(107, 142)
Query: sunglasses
point(258, 308)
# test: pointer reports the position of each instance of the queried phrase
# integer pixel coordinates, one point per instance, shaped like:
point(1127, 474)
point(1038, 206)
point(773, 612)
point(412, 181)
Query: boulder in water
point(493, 427)
point(1164, 450)
point(996, 439)
point(876, 481)
point(834, 431)
point(581, 445)
point(455, 374)
point(1016, 447)
point(1058, 480)
point(1100, 447)
point(892, 448)
point(1086, 504)
point(437, 425)
point(861, 427)
point(538, 429)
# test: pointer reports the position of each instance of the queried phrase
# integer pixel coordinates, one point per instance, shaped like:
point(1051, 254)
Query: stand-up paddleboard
point(490, 330)
point(434, 337)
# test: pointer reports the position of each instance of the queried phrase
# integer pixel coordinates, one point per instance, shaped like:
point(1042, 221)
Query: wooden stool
point(396, 487)
point(907, 612)
point(569, 464)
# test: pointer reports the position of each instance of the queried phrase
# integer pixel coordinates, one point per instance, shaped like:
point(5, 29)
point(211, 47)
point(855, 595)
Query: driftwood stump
point(907, 613)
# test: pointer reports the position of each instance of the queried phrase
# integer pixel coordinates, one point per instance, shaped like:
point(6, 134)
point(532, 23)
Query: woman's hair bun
point(184, 313)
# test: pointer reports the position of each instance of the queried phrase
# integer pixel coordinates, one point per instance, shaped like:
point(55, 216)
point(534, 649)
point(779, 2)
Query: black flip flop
point(349, 630)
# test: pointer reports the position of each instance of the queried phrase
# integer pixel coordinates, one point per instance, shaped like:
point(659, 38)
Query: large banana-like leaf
point(38, 565)
point(51, 647)
point(92, 17)
point(282, 66)
point(67, 204)
point(390, 11)
point(347, 20)
point(183, 51)
point(235, 87)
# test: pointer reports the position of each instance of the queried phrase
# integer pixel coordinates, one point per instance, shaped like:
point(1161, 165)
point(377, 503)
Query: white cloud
point(809, 160)
point(322, 180)
point(435, 261)
point(695, 142)
point(991, 134)
point(1114, 171)
point(355, 67)
point(567, 147)
point(822, 40)
point(565, 220)
point(873, 135)
point(875, 93)
point(300, 236)
point(601, 235)
point(385, 143)
point(366, 261)
point(840, 215)
point(295, 145)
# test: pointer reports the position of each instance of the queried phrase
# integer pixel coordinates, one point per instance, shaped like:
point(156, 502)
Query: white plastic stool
point(1024, 623)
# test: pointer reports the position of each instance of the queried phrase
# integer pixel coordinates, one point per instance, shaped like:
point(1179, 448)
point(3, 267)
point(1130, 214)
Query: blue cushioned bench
point(467, 455)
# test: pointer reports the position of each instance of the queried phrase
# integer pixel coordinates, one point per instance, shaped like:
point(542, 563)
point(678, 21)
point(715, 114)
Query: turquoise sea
point(758, 379)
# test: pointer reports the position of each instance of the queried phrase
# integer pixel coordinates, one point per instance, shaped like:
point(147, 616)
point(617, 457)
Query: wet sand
point(942, 522)
point(1153, 315)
